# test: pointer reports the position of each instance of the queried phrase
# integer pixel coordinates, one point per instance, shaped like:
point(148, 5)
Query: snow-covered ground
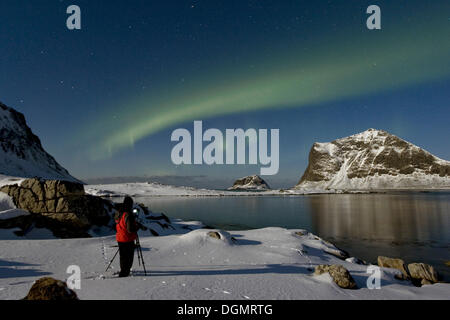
point(150, 189)
point(271, 263)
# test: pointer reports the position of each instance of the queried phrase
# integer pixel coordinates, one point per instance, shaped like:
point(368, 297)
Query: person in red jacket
point(126, 227)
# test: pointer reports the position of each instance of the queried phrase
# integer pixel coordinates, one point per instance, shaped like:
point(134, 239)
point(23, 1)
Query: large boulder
point(398, 264)
point(423, 272)
point(50, 289)
point(339, 274)
point(60, 205)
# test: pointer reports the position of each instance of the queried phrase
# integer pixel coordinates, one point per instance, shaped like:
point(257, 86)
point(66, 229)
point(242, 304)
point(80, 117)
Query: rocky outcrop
point(50, 289)
point(61, 206)
point(373, 159)
point(214, 234)
point(393, 263)
point(339, 274)
point(418, 273)
point(21, 151)
point(423, 273)
point(254, 182)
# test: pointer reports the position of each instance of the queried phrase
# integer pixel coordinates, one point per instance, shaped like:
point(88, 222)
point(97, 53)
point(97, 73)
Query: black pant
point(126, 251)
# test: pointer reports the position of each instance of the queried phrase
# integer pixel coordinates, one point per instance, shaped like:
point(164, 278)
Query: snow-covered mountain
point(373, 159)
point(21, 151)
point(254, 182)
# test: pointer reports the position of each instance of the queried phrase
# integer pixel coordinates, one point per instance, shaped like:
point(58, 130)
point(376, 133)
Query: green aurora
point(329, 71)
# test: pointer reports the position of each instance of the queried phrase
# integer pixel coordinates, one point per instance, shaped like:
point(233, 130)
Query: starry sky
point(105, 99)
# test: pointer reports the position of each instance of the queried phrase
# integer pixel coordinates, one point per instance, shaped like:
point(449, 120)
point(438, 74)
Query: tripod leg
point(112, 260)
point(138, 255)
point(143, 263)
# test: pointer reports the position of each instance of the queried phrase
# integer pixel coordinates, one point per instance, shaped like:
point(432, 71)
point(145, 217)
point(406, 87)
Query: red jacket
point(126, 227)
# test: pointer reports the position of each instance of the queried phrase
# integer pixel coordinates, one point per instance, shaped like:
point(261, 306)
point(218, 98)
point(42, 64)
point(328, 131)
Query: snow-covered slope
point(270, 263)
point(21, 152)
point(7, 208)
point(373, 159)
point(254, 182)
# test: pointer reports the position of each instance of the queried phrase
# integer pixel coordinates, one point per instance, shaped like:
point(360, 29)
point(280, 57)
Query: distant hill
point(373, 159)
point(250, 183)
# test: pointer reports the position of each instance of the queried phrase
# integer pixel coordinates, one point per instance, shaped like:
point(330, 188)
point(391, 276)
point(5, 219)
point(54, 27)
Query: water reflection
point(413, 226)
point(393, 217)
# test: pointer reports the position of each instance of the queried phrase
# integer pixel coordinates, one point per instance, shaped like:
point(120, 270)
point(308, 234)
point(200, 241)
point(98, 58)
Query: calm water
point(413, 226)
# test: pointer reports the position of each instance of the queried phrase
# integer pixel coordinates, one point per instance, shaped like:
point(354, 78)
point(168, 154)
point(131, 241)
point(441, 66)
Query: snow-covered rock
point(21, 151)
point(254, 182)
point(8, 210)
point(373, 159)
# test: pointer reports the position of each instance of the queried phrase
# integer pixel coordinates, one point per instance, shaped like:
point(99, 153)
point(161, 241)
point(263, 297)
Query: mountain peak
point(21, 151)
point(373, 159)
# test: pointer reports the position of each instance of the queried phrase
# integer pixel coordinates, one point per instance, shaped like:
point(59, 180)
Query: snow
point(9, 180)
point(325, 148)
point(270, 263)
point(414, 181)
point(138, 189)
point(151, 189)
point(7, 208)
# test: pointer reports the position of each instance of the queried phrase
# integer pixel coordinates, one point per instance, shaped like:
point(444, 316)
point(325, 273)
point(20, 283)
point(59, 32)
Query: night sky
point(105, 99)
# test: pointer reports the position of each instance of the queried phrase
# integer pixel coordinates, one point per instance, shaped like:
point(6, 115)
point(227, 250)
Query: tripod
point(139, 253)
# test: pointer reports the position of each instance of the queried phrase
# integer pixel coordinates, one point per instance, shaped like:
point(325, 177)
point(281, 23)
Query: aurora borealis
point(339, 71)
point(105, 99)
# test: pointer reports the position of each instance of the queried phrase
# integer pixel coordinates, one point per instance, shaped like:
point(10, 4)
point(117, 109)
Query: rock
point(254, 182)
point(398, 264)
point(66, 188)
point(356, 261)
point(300, 233)
point(50, 289)
point(424, 282)
point(447, 263)
point(60, 205)
point(372, 159)
point(214, 234)
point(338, 253)
point(423, 271)
point(339, 274)
point(400, 276)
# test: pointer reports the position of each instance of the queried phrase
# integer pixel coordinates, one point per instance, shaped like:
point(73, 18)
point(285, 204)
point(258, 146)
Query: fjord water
point(413, 226)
